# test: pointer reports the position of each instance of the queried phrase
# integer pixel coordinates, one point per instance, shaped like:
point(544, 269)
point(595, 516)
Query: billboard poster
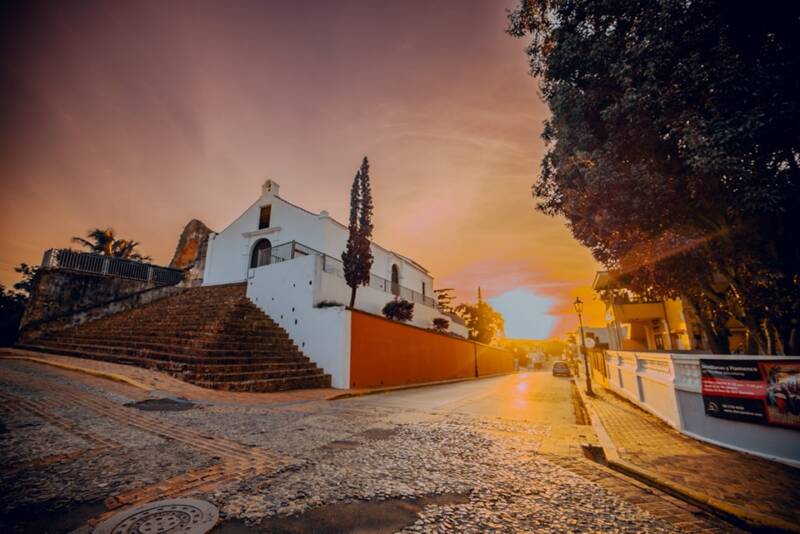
point(764, 392)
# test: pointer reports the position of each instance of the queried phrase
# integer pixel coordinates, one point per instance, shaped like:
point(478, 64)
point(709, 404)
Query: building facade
point(290, 259)
point(636, 323)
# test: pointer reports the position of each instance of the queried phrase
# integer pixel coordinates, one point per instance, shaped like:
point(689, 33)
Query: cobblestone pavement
point(72, 453)
point(149, 380)
point(743, 480)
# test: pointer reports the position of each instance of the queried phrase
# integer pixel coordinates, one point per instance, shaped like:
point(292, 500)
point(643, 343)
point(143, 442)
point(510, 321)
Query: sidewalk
point(757, 491)
point(148, 381)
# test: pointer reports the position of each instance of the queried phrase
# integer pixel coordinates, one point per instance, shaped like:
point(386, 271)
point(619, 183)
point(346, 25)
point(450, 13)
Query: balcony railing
point(87, 262)
point(335, 266)
point(293, 249)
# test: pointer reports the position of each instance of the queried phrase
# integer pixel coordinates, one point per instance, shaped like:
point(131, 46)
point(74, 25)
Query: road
point(536, 397)
point(499, 454)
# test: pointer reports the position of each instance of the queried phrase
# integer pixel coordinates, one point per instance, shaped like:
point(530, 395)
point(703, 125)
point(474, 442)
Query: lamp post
point(579, 309)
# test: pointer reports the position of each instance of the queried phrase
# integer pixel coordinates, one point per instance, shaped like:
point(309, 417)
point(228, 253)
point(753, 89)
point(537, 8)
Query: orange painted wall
point(388, 353)
point(493, 361)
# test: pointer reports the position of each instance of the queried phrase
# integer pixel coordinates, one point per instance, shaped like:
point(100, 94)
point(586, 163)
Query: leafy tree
point(444, 299)
point(357, 257)
point(12, 306)
point(30, 276)
point(106, 243)
point(553, 347)
point(399, 310)
point(673, 150)
point(483, 321)
point(13, 302)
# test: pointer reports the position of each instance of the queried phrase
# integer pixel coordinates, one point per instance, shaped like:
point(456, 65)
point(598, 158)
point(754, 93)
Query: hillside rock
point(190, 254)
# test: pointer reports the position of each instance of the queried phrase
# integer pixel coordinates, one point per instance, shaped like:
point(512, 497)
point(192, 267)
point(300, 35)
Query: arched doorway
point(262, 253)
point(395, 280)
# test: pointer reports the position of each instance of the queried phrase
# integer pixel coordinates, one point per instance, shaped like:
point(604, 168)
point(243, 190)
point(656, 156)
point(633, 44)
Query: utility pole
point(579, 309)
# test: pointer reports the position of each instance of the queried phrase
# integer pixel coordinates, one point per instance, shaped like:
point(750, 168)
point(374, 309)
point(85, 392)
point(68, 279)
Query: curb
point(390, 389)
point(727, 511)
point(92, 372)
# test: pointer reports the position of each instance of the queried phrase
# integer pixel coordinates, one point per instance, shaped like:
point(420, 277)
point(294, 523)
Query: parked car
point(561, 369)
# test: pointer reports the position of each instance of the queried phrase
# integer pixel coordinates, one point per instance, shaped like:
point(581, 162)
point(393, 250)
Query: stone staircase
point(214, 337)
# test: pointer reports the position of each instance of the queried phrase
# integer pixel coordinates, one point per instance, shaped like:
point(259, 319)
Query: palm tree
point(106, 243)
point(99, 242)
point(126, 249)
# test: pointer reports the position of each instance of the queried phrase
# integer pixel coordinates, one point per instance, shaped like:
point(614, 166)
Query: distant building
point(637, 323)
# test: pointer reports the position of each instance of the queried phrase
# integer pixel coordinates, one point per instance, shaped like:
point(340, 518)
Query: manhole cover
point(162, 405)
point(185, 516)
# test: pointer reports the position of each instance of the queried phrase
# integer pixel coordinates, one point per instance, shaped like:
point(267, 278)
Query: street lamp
point(579, 310)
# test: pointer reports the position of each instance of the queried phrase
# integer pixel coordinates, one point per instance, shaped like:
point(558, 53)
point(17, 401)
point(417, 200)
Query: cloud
point(526, 314)
point(142, 117)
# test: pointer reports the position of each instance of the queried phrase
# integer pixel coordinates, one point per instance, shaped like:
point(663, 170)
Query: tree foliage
point(398, 310)
point(106, 242)
point(357, 257)
point(27, 283)
point(444, 299)
point(13, 302)
point(12, 306)
point(440, 324)
point(482, 321)
point(673, 150)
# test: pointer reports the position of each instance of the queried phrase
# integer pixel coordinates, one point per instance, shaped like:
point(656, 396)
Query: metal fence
point(335, 266)
point(293, 249)
point(87, 262)
point(284, 252)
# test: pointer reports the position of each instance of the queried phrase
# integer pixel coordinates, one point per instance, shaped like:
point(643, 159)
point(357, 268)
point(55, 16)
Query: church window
point(263, 219)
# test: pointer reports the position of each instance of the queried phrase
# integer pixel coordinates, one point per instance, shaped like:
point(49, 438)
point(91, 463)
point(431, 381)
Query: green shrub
point(399, 310)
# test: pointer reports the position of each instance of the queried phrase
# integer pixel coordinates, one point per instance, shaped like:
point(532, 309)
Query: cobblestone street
point(501, 454)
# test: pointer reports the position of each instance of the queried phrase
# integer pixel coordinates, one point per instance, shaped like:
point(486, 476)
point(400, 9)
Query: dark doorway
point(395, 280)
point(262, 253)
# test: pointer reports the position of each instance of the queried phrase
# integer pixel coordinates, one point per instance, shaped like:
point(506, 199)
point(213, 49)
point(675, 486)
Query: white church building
point(291, 260)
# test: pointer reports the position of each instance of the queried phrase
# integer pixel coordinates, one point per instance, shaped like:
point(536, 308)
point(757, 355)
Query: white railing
point(647, 379)
point(293, 249)
point(87, 262)
point(335, 266)
point(668, 384)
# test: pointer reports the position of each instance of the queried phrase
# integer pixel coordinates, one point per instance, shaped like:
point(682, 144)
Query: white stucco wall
point(669, 386)
point(287, 292)
point(228, 254)
point(333, 288)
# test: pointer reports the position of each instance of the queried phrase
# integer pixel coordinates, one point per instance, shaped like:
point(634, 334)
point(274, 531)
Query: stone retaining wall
point(65, 298)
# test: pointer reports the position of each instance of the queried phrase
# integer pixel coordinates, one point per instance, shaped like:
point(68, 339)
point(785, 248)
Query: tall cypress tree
point(357, 257)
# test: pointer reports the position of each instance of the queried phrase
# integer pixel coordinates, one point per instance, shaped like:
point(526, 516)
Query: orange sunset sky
point(141, 115)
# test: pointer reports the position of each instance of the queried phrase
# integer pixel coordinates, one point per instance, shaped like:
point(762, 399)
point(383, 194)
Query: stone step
point(125, 348)
point(77, 348)
point(242, 329)
point(230, 380)
point(210, 336)
point(180, 344)
point(278, 384)
point(232, 376)
point(194, 374)
point(207, 331)
point(188, 307)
